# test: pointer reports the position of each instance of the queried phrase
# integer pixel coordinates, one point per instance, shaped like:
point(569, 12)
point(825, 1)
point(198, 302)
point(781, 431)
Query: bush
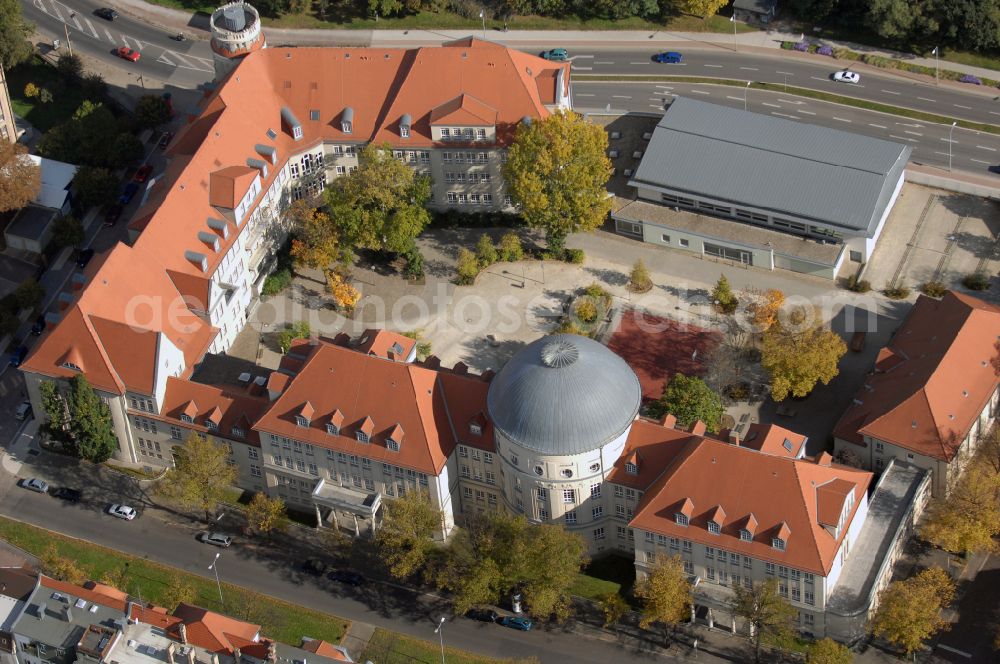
point(276, 282)
point(858, 285)
point(510, 248)
point(467, 267)
point(969, 78)
point(639, 280)
point(452, 218)
point(299, 330)
point(486, 253)
point(802, 47)
point(597, 291)
point(977, 281)
point(585, 311)
point(787, 45)
point(845, 54)
point(824, 50)
point(67, 231)
point(71, 68)
point(897, 292)
point(414, 264)
point(933, 288)
point(575, 256)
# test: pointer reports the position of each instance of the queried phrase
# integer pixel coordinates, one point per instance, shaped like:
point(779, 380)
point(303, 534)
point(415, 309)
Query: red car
point(142, 174)
point(127, 53)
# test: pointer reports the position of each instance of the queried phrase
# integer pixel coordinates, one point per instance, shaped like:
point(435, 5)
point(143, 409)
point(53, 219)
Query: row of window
point(457, 198)
point(471, 178)
point(412, 156)
point(477, 474)
point(465, 134)
point(142, 403)
point(464, 452)
point(480, 495)
point(464, 157)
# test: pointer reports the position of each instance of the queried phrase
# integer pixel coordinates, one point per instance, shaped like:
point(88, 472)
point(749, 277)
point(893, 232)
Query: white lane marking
point(749, 69)
point(994, 113)
point(785, 73)
point(891, 92)
point(603, 62)
point(575, 68)
point(770, 105)
point(841, 119)
point(639, 63)
point(903, 138)
point(925, 99)
point(654, 99)
point(699, 92)
point(944, 154)
point(620, 97)
point(805, 112)
point(110, 37)
point(734, 98)
point(980, 161)
point(912, 133)
point(915, 125)
point(666, 87)
point(817, 78)
point(877, 126)
point(577, 57)
point(578, 94)
point(948, 140)
point(205, 61)
point(784, 115)
point(713, 66)
point(790, 101)
point(93, 30)
point(659, 106)
point(58, 13)
point(968, 108)
point(167, 61)
point(983, 147)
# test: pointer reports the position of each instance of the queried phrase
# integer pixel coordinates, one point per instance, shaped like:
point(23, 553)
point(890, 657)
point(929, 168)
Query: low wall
point(943, 180)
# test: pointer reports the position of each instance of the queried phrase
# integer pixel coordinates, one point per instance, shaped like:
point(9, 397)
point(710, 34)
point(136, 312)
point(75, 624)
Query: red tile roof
point(933, 379)
point(773, 439)
point(214, 632)
point(228, 405)
point(385, 344)
point(97, 593)
point(323, 649)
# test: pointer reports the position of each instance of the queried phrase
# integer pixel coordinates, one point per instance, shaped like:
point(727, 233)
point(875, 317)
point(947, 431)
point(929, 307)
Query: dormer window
point(746, 535)
point(681, 519)
point(778, 543)
point(301, 421)
point(187, 419)
point(475, 429)
point(392, 445)
point(631, 469)
point(404, 126)
point(71, 366)
point(395, 439)
point(445, 134)
point(480, 134)
point(362, 437)
point(714, 528)
point(467, 133)
point(347, 120)
point(237, 432)
point(211, 426)
point(332, 429)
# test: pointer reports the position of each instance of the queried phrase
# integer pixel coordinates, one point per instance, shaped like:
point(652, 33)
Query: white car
point(36, 485)
point(216, 539)
point(122, 512)
point(847, 76)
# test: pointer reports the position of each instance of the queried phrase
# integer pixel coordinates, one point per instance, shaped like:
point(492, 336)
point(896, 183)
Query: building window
point(683, 242)
point(688, 567)
point(631, 469)
point(879, 447)
point(481, 134)
point(238, 432)
point(175, 432)
point(595, 490)
point(619, 491)
point(570, 516)
point(491, 477)
point(745, 535)
point(362, 437)
point(392, 445)
point(569, 496)
point(714, 528)
point(543, 513)
point(597, 512)
point(598, 534)
point(710, 573)
point(810, 598)
point(665, 238)
point(778, 543)
point(681, 519)
point(253, 453)
point(254, 470)
point(467, 491)
point(686, 545)
point(709, 552)
point(543, 493)
point(769, 569)
point(620, 510)
point(466, 472)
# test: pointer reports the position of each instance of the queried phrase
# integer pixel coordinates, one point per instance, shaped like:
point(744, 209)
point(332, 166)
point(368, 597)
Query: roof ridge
point(813, 522)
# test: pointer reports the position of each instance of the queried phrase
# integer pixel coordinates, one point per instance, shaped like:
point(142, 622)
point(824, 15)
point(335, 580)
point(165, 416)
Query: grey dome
point(564, 395)
point(234, 18)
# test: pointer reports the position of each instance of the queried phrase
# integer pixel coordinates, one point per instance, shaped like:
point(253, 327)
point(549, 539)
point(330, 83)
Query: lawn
point(66, 98)
point(391, 648)
point(608, 574)
point(285, 622)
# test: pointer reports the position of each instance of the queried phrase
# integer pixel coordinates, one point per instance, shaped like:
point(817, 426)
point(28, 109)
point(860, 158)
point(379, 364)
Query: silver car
point(122, 512)
point(216, 539)
point(36, 485)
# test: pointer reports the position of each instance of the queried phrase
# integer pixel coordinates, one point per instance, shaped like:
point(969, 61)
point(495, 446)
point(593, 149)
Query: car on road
point(346, 576)
point(23, 411)
point(847, 76)
point(555, 54)
point(483, 615)
point(17, 356)
point(165, 139)
point(669, 58)
point(314, 566)
point(122, 512)
point(36, 485)
point(517, 622)
point(113, 214)
point(216, 539)
point(38, 326)
point(107, 13)
point(128, 194)
point(142, 174)
point(994, 169)
point(67, 494)
point(127, 53)
point(84, 257)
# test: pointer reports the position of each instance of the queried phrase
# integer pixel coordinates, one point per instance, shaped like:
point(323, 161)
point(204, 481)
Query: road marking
point(713, 66)
point(639, 63)
point(910, 124)
point(58, 13)
point(666, 87)
point(817, 78)
point(796, 102)
point(167, 61)
point(734, 98)
point(912, 133)
point(925, 99)
point(110, 38)
point(994, 113)
point(577, 57)
point(944, 154)
point(891, 92)
point(578, 94)
point(575, 68)
point(749, 69)
point(948, 140)
point(983, 147)
point(603, 62)
point(968, 108)
point(699, 92)
point(659, 106)
point(654, 99)
point(785, 73)
point(805, 112)
point(784, 115)
point(620, 97)
point(904, 138)
point(841, 119)
point(93, 30)
point(770, 105)
point(954, 650)
point(877, 126)
point(980, 161)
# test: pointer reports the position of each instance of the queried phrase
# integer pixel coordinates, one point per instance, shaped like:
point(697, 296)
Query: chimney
point(170, 653)
point(669, 421)
point(42, 608)
point(190, 656)
point(734, 438)
point(698, 428)
point(182, 628)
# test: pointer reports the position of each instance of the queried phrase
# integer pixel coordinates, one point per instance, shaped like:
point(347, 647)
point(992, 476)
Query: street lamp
point(749, 83)
point(482, 15)
point(936, 71)
point(215, 568)
point(950, 133)
point(440, 632)
point(732, 19)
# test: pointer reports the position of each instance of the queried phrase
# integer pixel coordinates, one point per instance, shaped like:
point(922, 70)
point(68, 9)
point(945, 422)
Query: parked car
point(128, 194)
point(517, 622)
point(858, 341)
point(107, 13)
point(555, 54)
point(17, 356)
point(669, 58)
point(23, 411)
point(216, 539)
point(36, 485)
point(127, 53)
point(38, 326)
point(847, 76)
point(483, 615)
point(314, 566)
point(113, 214)
point(84, 257)
point(122, 512)
point(67, 494)
point(142, 174)
point(165, 139)
point(346, 576)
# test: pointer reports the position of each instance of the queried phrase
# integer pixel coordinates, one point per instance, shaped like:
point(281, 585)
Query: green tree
point(90, 426)
point(910, 610)
point(126, 149)
point(61, 567)
point(200, 475)
point(467, 267)
point(266, 514)
point(639, 279)
point(556, 171)
point(45, 96)
point(297, 330)
point(20, 178)
point(316, 243)
point(614, 607)
point(892, 19)
point(723, 296)
point(67, 231)
point(828, 651)
point(88, 138)
point(14, 32)
point(665, 594)
point(384, 8)
point(510, 248)
point(176, 592)
point(93, 86)
point(151, 111)
point(405, 539)
point(71, 68)
point(689, 399)
point(414, 263)
point(28, 294)
point(55, 408)
point(94, 186)
point(380, 206)
point(702, 8)
point(486, 252)
point(767, 613)
point(796, 359)
point(116, 577)
point(967, 519)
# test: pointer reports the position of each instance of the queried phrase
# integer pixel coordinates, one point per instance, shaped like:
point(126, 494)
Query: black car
point(84, 257)
point(38, 326)
point(113, 214)
point(128, 193)
point(483, 615)
point(314, 566)
point(107, 13)
point(17, 356)
point(67, 494)
point(346, 576)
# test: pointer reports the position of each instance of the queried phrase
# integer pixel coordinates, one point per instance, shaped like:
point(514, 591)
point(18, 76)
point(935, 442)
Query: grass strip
point(800, 92)
point(390, 648)
point(280, 620)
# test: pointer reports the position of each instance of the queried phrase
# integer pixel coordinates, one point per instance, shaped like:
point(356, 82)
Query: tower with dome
point(236, 32)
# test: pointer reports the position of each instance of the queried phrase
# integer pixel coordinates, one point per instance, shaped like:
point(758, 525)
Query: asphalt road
point(971, 151)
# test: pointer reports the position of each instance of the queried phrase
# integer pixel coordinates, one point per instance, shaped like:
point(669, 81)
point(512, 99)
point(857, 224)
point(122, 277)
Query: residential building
point(8, 130)
point(932, 392)
point(32, 227)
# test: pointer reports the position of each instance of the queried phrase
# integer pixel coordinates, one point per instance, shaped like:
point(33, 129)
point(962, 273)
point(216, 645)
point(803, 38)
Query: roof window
point(631, 468)
point(681, 519)
point(404, 126)
point(272, 134)
point(314, 115)
point(746, 535)
point(347, 120)
point(778, 543)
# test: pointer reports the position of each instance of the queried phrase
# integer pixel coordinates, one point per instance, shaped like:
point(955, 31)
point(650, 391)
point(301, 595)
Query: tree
point(30, 90)
point(61, 567)
point(55, 408)
point(316, 243)
point(467, 267)
point(379, 206)
point(828, 651)
point(910, 610)
point(384, 7)
point(344, 294)
point(177, 592)
point(404, 538)
point(414, 263)
point(28, 294)
point(967, 519)
point(266, 514)
point(556, 171)
point(116, 577)
point(45, 96)
point(88, 138)
point(67, 231)
point(765, 611)
point(510, 248)
point(723, 297)
point(90, 426)
point(486, 252)
point(14, 32)
point(892, 19)
point(689, 399)
point(665, 594)
point(702, 8)
point(797, 359)
point(639, 279)
point(151, 111)
point(20, 178)
point(200, 475)
point(71, 68)
point(615, 608)
point(762, 307)
point(297, 330)
point(126, 149)
point(94, 186)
